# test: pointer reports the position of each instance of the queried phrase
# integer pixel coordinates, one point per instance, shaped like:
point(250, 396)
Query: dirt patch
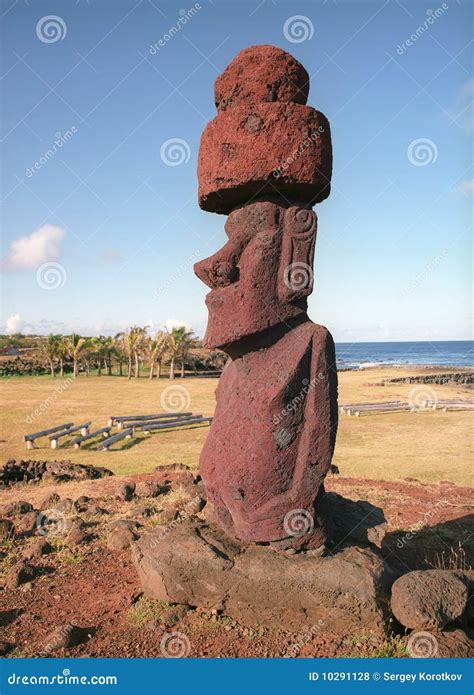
point(97, 589)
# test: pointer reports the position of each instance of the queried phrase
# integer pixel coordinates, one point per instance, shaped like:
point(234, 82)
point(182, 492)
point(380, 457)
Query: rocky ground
point(69, 586)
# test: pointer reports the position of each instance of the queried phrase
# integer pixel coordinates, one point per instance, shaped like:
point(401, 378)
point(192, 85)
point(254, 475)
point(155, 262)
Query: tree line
point(128, 351)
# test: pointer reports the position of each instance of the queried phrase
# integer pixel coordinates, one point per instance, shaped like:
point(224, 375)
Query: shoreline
point(345, 366)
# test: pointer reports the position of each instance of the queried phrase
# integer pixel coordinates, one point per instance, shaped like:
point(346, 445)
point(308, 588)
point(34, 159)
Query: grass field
point(429, 446)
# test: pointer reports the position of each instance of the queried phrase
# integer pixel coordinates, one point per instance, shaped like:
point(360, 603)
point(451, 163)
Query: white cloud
point(14, 324)
point(169, 324)
point(110, 256)
point(29, 252)
point(467, 186)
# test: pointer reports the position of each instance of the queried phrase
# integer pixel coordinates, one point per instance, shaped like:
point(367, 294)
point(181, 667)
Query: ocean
point(443, 353)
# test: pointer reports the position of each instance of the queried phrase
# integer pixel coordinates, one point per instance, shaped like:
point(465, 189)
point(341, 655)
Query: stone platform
point(194, 563)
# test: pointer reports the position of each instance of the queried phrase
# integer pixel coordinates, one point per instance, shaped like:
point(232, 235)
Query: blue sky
point(103, 233)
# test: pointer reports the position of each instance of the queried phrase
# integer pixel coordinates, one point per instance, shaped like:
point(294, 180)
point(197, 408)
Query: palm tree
point(50, 350)
point(180, 341)
point(62, 352)
point(155, 349)
point(109, 349)
point(130, 343)
point(76, 348)
point(103, 347)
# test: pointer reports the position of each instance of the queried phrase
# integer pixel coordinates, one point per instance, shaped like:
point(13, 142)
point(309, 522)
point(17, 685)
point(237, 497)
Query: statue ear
point(297, 254)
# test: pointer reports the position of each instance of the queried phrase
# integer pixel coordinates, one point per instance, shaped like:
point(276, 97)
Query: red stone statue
point(265, 160)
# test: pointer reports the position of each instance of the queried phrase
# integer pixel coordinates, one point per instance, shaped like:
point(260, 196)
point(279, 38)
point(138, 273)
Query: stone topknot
point(264, 139)
point(262, 74)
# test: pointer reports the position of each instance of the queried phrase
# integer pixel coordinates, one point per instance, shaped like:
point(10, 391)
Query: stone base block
point(194, 563)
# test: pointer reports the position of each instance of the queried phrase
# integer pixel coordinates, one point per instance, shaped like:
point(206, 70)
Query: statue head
point(263, 275)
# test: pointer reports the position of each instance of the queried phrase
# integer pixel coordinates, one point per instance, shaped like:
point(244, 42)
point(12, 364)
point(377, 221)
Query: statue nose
point(216, 271)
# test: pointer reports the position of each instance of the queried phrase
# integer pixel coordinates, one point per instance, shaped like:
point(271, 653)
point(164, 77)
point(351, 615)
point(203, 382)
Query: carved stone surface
point(198, 565)
point(264, 140)
point(265, 159)
point(261, 74)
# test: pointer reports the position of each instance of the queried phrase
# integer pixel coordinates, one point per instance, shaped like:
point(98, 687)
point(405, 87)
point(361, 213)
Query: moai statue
point(264, 161)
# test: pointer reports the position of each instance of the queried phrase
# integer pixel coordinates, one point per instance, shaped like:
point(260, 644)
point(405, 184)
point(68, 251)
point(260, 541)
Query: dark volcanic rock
point(126, 492)
point(147, 488)
point(261, 74)
point(63, 637)
point(7, 529)
point(197, 565)
point(27, 523)
point(427, 599)
point(20, 573)
point(37, 549)
point(26, 471)
point(120, 537)
point(16, 508)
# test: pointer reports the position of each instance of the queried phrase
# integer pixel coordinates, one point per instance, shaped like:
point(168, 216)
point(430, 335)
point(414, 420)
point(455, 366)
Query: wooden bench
point(54, 438)
point(384, 409)
point(354, 406)
point(177, 423)
point(30, 438)
point(105, 431)
point(450, 404)
point(137, 424)
point(115, 438)
point(121, 419)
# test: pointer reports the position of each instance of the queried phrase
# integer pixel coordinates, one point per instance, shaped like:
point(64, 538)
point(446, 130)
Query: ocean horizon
point(442, 353)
